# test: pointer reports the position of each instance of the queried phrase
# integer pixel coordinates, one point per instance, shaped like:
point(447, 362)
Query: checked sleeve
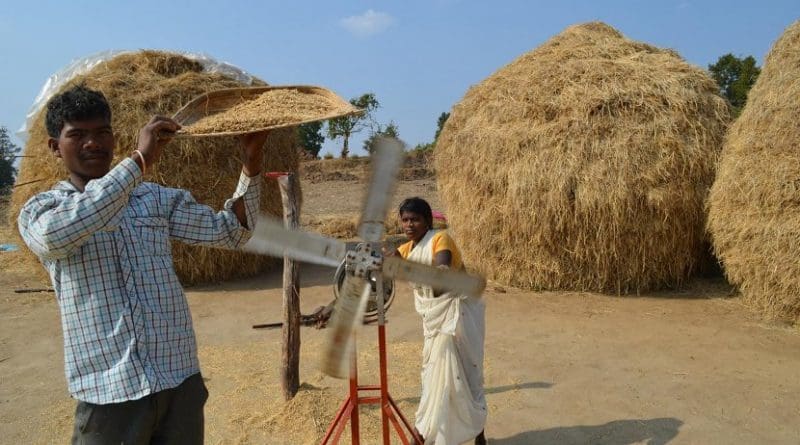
point(55, 223)
point(195, 223)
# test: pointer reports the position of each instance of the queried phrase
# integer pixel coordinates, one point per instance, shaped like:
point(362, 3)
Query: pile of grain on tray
point(273, 107)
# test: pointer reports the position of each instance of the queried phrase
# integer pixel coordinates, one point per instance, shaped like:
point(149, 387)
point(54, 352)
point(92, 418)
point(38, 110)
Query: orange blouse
point(441, 241)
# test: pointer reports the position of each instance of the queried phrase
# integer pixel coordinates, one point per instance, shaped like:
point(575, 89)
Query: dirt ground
point(690, 366)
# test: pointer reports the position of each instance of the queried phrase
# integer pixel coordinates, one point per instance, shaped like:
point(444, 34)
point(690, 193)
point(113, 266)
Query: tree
point(346, 126)
point(8, 150)
point(423, 147)
point(311, 137)
point(735, 77)
point(440, 124)
point(390, 130)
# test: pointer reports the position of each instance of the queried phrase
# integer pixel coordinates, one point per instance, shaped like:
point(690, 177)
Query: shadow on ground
point(311, 275)
point(619, 432)
point(497, 389)
point(529, 385)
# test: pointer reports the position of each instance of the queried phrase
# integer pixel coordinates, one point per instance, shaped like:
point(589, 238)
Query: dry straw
point(754, 205)
point(584, 165)
point(137, 86)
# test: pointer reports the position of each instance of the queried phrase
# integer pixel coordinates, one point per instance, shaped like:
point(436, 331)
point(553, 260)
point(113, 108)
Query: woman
point(452, 406)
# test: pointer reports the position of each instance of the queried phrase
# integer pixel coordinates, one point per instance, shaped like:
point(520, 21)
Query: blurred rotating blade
point(271, 238)
point(441, 279)
point(348, 314)
point(386, 161)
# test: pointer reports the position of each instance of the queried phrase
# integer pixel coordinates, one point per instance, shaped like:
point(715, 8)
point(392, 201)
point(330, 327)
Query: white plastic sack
point(85, 64)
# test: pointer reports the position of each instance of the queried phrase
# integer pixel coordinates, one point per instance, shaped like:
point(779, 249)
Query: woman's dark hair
point(75, 104)
point(418, 206)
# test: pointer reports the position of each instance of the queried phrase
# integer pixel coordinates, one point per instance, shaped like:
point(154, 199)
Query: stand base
point(389, 411)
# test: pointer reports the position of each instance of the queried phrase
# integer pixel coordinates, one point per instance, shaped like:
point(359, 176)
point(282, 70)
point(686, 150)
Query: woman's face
point(414, 225)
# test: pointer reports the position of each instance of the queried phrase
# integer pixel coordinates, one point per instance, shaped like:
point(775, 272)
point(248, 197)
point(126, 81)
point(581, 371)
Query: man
point(104, 237)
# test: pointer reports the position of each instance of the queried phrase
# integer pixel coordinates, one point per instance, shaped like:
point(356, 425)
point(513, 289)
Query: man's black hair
point(75, 104)
point(418, 206)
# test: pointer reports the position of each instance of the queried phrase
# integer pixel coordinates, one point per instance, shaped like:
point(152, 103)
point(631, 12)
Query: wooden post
point(290, 357)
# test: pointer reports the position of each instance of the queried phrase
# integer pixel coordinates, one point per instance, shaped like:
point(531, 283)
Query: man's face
point(86, 147)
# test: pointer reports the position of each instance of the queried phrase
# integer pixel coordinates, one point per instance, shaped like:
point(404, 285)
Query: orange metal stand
point(390, 412)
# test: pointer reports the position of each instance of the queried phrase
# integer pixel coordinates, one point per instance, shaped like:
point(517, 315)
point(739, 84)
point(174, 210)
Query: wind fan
point(366, 272)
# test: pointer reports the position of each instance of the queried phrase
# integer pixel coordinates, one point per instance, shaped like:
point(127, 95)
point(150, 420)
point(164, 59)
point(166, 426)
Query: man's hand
point(154, 136)
point(253, 151)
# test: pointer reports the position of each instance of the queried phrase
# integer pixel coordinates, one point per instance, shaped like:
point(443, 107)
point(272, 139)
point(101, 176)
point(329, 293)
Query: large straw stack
point(754, 206)
point(137, 86)
point(584, 165)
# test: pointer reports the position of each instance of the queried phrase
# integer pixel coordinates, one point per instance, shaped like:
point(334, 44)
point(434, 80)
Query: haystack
point(584, 165)
point(754, 205)
point(137, 86)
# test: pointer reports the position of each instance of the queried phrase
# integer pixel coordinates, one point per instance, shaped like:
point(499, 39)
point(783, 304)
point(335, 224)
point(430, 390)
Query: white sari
point(452, 407)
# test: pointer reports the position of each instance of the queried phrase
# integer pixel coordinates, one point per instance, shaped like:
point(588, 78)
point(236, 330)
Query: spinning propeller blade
point(348, 314)
point(351, 304)
point(443, 279)
point(270, 237)
point(386, 161)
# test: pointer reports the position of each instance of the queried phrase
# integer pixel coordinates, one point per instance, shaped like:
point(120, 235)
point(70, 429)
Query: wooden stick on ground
point(318, 319)
point(32, 290)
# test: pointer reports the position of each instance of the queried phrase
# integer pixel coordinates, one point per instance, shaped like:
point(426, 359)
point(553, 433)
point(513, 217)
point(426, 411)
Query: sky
point(417, 57)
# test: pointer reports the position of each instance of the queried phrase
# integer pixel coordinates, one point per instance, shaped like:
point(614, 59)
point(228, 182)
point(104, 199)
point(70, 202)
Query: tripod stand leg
point(382, 361)
point(394, 409)
point(354, 432)
point(336, 427)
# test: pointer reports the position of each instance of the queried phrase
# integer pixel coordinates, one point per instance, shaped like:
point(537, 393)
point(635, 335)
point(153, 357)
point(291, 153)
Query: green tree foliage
point(735, 77)
point(344, 127)
point(8, 150)
point(311, 137)
point(423, 147)
point(390, 130)
point(440, 124)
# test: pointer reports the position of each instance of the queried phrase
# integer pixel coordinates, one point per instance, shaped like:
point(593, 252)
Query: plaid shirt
point(126, 323)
